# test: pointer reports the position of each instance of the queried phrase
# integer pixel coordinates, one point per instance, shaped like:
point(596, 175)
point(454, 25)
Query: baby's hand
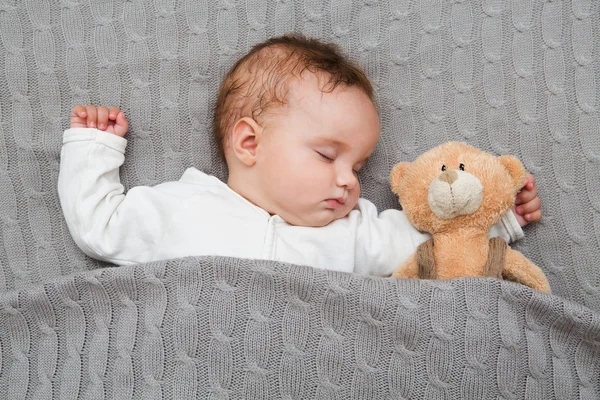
point(527, 203)
point(110, 120)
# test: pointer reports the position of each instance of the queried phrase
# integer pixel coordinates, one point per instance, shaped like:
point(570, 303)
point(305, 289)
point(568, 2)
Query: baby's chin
point(319, 220)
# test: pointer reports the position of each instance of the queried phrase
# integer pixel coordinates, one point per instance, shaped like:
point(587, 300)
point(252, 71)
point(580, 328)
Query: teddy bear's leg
point(519, 269)
point(408, 269)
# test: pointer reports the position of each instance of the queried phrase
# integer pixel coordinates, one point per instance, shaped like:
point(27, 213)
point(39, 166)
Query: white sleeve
point(508, 228)
point(386, 240)
point(105, 223)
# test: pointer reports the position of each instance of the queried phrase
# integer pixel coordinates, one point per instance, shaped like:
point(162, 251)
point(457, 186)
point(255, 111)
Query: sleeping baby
point(295, 122)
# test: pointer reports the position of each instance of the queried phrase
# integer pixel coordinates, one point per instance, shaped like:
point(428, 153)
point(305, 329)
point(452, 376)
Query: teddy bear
point(456, 193)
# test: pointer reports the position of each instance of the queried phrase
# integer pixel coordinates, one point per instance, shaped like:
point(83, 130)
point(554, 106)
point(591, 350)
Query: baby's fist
point(111, 120)
point(527, 203)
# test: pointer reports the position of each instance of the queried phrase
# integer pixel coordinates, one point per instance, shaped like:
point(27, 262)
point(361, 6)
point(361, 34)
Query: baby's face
point(312, 151)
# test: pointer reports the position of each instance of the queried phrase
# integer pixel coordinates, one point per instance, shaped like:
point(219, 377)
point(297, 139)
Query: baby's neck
point(248, 191)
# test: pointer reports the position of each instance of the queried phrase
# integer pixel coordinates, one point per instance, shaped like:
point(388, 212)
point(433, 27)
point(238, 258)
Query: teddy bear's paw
point(543, 286)
point(402, 273)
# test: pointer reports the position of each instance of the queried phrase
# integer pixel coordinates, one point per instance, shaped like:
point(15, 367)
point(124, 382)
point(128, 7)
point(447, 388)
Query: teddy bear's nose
point(448, 176)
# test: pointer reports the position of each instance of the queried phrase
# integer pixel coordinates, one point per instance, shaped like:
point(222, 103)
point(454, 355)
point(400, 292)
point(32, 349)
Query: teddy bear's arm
point(519, 269)
point(408, 269)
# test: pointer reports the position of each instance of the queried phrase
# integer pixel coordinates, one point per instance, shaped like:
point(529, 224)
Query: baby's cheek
point(353, 198)
point(356, 192)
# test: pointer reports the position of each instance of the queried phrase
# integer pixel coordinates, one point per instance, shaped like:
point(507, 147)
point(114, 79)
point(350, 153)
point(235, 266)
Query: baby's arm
point(105, 223)
point(385, 240)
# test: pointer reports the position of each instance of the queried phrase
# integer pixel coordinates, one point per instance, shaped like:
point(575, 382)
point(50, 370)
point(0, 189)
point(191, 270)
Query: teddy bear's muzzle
point(453, 193)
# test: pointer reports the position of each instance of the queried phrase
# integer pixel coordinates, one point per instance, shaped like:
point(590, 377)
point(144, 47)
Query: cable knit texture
point(510, 76)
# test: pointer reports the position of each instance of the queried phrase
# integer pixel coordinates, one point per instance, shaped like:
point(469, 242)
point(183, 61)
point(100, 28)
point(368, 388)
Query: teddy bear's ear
point(515, 169)
point(396, 174)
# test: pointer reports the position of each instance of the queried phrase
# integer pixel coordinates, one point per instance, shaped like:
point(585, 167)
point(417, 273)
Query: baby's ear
point(515, 169)
point(397, 174)
point(244, 139)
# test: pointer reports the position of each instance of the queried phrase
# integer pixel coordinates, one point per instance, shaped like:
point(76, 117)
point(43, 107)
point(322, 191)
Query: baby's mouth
point(335, 203)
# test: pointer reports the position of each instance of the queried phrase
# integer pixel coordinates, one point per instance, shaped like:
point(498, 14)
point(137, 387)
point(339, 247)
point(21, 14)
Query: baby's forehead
point(338, 116)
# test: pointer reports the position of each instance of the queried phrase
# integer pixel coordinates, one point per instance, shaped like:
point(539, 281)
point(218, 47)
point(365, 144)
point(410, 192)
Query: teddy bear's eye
point(443, 167)
point(462, 166)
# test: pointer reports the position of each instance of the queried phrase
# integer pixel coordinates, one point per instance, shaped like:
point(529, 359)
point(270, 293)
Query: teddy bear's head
point(455, 184)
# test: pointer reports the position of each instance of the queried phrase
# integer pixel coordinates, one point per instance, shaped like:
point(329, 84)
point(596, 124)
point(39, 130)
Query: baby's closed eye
point(326, 156)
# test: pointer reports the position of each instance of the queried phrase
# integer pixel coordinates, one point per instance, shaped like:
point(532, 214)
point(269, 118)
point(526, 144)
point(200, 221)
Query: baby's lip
point(336, 203)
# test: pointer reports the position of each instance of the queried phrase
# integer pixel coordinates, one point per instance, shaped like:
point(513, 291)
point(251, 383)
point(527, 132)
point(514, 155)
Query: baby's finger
point(78, 111)
point(526, 195)
point(530, 181)
point(530, 207)
point(92, 115)
point(122, 125)
point(102, 117)
point(534, 216)
point(113, 112)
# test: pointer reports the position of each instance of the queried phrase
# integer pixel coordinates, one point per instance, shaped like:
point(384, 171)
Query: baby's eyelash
point(324, 156)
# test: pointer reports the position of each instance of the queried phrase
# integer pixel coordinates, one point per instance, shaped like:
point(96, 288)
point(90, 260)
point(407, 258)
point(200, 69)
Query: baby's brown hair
point(260, 78)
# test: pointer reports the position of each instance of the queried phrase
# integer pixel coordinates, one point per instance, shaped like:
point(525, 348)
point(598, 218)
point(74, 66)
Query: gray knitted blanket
point(519, 77)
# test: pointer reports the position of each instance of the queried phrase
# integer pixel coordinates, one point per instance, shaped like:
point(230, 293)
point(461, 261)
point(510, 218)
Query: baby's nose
point(348, 180)
point(449, 177)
